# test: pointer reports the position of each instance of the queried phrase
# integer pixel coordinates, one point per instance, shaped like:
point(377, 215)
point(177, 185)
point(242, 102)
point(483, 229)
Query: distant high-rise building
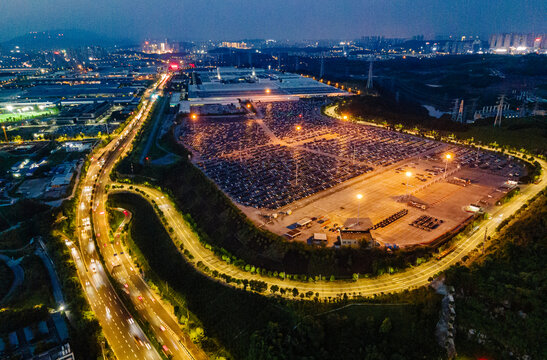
point(512, 43)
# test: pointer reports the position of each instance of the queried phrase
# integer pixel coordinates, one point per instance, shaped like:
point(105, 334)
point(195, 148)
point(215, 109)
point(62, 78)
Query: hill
point(42, 40)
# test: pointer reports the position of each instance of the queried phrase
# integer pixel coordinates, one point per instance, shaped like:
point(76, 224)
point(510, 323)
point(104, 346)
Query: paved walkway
point(57, 292)
point(18, 272)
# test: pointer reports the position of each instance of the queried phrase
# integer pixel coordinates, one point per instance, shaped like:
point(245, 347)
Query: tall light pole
point(408, 175)
point(5, 135)
point(446, 157)
point(359, 197)
point(194, 117)
point(298, 128)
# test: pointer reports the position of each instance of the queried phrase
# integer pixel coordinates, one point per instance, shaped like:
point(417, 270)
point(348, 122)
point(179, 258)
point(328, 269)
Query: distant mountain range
point(57, 39)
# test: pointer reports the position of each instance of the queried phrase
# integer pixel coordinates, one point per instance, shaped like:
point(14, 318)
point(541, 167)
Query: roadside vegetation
point(500, 299)
point(6, 279)
point(511, 134)
point(385, 110)
point(250, 326)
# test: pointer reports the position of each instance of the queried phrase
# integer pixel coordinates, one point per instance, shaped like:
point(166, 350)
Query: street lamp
point(194, 117)
point(408, 175)
point(345, 117)
point(298, 128)
point(447, 157)
point(359, 197)
point(268, 91)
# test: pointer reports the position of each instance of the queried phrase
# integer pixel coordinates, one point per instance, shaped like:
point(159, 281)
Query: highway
point(122, 332)
point(411, 278)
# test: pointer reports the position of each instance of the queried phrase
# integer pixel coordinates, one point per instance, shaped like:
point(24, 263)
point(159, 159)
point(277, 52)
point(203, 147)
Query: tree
point(386, 326)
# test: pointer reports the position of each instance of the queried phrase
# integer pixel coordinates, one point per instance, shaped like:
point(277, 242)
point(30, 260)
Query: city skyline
point(216, 20)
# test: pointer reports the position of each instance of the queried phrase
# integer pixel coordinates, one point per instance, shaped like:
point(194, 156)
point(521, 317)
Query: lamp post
point(298, 128)
point(446, 157)
point(408, 175)
point(194, 117)
point(359, 197)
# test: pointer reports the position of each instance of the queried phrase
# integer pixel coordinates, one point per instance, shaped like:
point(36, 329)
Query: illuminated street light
point(447, 157)
point(298, 128)
point(194, 117)
point(345, 117)
point(268, 91)
point(408, 175)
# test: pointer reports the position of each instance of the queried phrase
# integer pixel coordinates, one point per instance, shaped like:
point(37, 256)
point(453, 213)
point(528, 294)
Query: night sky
point(277, 19)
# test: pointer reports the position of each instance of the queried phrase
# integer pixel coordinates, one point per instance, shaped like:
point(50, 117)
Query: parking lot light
point(298, 128)
point(408, 175)
point(447, 157)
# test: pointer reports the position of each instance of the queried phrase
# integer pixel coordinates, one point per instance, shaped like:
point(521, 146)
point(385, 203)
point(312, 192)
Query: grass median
point(252, 326)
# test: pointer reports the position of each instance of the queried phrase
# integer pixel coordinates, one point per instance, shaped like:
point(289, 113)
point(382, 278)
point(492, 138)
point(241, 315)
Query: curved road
point(411, 278)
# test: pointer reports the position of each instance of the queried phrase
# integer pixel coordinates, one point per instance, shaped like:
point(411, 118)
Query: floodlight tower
point(369, 80)
point(455, 110)
point(460, 113)
point(499, 114)
point(322, 70)
point(298, 128)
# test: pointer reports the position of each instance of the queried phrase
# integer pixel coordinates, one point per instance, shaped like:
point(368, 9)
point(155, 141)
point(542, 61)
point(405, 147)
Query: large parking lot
point(289, 163)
